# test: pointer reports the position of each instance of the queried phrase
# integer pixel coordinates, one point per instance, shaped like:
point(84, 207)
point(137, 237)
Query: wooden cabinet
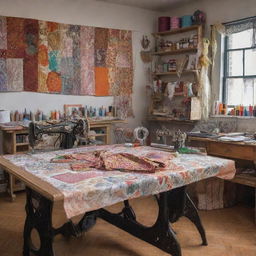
point(233, 150)
point(182, 106)
point(15, 141)
point(101, 132)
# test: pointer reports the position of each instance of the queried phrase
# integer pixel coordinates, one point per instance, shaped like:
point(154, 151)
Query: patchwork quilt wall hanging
point(49, 57)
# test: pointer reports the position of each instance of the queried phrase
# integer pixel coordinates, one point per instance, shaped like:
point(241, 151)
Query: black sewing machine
point(69, 132)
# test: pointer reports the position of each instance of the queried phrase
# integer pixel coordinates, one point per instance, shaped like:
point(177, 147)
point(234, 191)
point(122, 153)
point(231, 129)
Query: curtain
point(242, 25)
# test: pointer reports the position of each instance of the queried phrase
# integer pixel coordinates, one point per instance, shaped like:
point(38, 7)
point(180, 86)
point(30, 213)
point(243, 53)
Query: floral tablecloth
point(93, 189)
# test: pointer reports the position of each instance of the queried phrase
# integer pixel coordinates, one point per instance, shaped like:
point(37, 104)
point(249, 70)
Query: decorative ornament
point(198, 18)
point(145, 42)
point(145, 55)
point(141, 134)
point(179, 139)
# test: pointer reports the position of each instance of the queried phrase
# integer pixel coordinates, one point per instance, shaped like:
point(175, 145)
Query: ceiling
point(155, 5)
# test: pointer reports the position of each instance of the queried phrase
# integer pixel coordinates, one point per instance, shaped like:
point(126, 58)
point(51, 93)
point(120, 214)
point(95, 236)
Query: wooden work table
point(233, 150)
point(11, 144)
point(89, 196)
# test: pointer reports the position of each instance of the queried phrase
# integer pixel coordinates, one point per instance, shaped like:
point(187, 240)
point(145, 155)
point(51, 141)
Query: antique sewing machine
point(69, 132)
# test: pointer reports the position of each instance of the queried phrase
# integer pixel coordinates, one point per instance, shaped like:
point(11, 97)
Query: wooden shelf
point(178, 94)
point(177, 31)
point(22, 144)
point(98, 135)
point(174, 52)
point(174, 73)
point(169, 119)
point(245, 179)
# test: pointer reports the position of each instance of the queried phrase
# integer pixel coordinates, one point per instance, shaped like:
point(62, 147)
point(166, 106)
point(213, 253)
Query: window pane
point(241, 91)
point(250, 62)
point(240, 40)
point(235, 63)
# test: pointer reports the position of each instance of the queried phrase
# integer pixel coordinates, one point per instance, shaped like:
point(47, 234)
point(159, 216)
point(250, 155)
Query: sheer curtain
point(242, 25)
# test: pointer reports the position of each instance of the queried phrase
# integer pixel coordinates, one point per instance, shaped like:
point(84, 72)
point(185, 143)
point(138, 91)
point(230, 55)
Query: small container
point(163, 24)
point(165, 65)
point(172, 65)
point(186, 21)
point(175, 22)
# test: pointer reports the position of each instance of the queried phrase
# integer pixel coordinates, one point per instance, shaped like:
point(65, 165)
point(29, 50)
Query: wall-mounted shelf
point(22, 144)
point(174, 52)
point(178, 94)
point(169, 119)
point(174, 73)
point(192, 109)
point(177, 31)
point(98, 135)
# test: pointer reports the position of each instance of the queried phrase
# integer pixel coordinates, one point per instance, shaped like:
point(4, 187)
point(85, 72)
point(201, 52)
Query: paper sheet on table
point(235, 139)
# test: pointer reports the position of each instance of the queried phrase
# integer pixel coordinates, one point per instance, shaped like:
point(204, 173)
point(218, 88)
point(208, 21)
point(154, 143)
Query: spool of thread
point(163, 24)
point(175, 22)
point(186, 21)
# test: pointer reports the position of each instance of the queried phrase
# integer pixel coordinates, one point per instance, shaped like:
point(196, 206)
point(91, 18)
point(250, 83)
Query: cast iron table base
point(172, 205)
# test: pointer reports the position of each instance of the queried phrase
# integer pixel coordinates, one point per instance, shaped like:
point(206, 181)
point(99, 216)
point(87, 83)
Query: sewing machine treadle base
point(172, 205)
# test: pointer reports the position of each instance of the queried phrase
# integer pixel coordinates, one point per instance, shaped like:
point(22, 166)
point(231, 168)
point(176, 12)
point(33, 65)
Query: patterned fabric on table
point(118, 159)
point(93, 189)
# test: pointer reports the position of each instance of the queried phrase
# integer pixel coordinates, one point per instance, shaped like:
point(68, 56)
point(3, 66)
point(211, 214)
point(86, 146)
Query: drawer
point(231, 151)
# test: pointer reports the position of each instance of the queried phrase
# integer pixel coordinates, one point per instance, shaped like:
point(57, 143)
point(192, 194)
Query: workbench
point(90, 191)
point(232, 150)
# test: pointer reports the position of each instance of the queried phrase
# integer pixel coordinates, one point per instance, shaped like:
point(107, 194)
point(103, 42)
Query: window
point(239, 80)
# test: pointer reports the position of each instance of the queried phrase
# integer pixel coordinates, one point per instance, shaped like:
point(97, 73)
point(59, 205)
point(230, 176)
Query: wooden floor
point(230, 232)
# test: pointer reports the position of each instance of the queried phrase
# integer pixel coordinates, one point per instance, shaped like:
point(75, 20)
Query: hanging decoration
point(145, 55)
point(216, 28)
point(204, 82)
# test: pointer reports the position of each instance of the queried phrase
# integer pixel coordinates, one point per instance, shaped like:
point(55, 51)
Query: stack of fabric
point(130, 159)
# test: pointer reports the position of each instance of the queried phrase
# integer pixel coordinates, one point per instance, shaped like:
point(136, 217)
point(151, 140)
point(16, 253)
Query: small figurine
point(179, 139)
point(198, 18)
point(145, 42)
point(140, 134)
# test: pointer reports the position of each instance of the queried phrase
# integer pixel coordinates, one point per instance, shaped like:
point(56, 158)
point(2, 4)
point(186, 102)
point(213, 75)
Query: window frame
point(225, 67)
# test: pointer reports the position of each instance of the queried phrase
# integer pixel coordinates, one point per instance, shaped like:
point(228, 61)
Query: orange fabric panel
point(52, 26)
point(54, 82)
point(101, 81)
point(43, 55)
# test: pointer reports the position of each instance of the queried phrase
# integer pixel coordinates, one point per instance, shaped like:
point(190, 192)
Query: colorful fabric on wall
point(49, 57)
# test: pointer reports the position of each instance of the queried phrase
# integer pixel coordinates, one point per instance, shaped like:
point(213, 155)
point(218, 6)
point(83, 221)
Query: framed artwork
point(72, 110)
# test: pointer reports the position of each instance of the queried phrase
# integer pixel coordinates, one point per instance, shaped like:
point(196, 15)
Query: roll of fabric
point(163, 24)
point(186, 21)
point(175, 22)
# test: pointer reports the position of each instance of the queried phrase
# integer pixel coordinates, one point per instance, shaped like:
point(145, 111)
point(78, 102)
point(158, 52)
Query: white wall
point(90, 13)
